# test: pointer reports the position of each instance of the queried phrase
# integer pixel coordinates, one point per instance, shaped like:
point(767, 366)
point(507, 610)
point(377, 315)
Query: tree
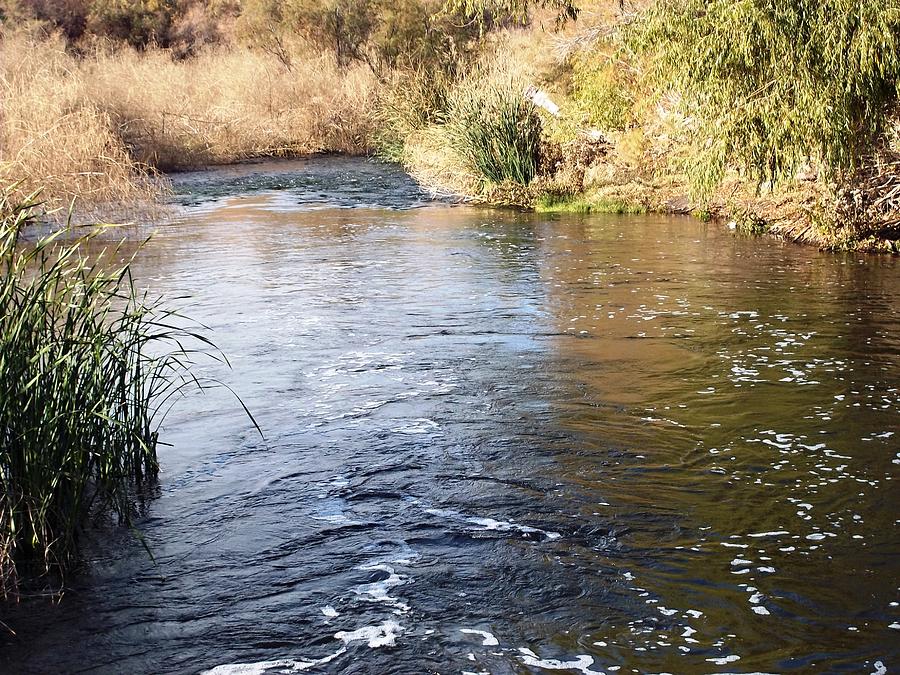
point(774, 84)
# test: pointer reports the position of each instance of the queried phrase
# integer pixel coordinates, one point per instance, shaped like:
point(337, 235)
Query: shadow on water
point(502, 442)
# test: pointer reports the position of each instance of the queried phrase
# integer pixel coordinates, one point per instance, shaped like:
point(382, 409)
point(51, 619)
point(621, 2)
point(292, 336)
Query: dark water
point(502, 443)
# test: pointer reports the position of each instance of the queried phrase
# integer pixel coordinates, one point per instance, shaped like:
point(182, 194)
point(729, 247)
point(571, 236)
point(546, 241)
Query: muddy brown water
point(501, 442)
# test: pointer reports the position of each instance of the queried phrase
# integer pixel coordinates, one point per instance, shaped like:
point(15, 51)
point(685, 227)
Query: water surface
point(500, 442)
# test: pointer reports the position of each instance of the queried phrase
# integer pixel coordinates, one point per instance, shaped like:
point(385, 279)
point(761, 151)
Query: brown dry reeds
point(228, 104)
point(53, 134)
point(95, 126)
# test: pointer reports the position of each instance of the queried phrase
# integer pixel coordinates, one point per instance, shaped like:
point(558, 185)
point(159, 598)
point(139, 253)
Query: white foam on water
point(769, 534)
point(740, 561)
point(756, 598)
point(488, 639)
point(492, 524)
point(271, 667)
point(895, 625)
point(421, 425)
point(696, 613)
point(581, 664)
point(377, 591)
point(504, 526)
point(880, 668)
point(338, 519)
point(759, 609)
point(384, 635)
point(815, 536)
point(330, 611)
point(721, 661)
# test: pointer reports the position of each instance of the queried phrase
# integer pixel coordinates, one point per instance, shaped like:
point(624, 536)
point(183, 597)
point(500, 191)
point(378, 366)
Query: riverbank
point(601, 127)
point(611, 142)
point(103, 127)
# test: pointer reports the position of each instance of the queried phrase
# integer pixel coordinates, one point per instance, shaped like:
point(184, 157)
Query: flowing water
point(500, 442)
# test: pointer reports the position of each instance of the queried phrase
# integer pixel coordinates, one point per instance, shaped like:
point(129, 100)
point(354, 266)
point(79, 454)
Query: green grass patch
point(551, 203)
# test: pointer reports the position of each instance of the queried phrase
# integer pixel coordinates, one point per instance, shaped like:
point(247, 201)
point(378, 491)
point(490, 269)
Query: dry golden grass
point(54, 136)
point(228, 104)
point(94, 126)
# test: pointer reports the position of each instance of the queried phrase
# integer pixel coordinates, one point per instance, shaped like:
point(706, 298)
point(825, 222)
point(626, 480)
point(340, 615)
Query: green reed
point(88, 368)
point(495, 129)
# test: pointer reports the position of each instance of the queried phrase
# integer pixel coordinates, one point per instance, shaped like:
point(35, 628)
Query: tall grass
point(87, 368)
point(55, 134)
point(496, 131)
point(95, 125)
point(227, 104)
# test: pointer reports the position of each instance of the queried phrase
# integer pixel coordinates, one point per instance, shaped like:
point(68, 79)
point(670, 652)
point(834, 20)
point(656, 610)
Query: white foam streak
point(581, 664)
point(488, 639)
point(271, 667)
point(384, 635)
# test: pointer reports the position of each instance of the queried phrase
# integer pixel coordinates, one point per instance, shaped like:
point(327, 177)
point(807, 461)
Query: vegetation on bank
point(779, 115)
point(773, 112)
point(87, 368)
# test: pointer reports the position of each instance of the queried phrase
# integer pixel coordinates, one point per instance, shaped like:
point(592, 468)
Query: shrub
point(137, 22)
point(494, 129)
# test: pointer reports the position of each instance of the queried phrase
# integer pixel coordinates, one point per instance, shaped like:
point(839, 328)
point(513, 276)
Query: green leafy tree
point(773, 84)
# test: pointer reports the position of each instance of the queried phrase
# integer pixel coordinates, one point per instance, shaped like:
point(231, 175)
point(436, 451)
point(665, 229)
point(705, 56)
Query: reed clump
point(495, 129)
point(482, 135)
point(88, 367)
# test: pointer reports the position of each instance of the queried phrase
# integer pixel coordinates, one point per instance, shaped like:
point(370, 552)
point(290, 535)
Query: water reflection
point(499, 442)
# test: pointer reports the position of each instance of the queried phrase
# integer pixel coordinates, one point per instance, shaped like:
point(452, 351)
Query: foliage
point(774, 84)
point(487, 12)
point(341, 26)
point(86, 370)
point(181, 24)
point(602, 93)
point(69, 16)
point(408, 34)
point(137, 22)
point(494, 129)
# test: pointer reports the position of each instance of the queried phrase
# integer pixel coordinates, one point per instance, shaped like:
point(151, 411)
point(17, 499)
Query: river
point(500, 442)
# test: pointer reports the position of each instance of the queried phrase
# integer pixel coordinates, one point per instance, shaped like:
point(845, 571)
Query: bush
point(494, 129)
point(137, 22)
